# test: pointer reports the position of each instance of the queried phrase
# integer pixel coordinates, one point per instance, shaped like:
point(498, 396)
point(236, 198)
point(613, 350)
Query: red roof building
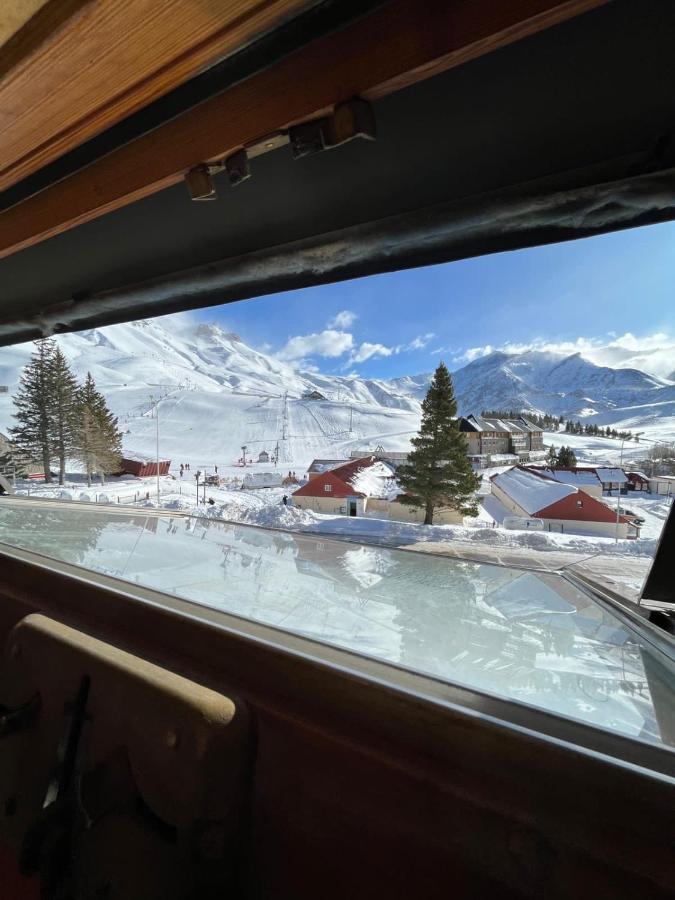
point(563, 508)
point(363, 487)
point(637, 481)
point(142, 468)
point(337, 482)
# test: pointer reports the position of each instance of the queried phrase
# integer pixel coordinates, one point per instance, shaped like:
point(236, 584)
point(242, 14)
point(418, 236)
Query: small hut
point(263, 456)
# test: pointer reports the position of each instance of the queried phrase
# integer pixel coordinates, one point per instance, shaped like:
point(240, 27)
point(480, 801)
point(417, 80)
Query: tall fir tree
point(98, 443)
point(32, 406)
point(438, 471)
point(64, 392)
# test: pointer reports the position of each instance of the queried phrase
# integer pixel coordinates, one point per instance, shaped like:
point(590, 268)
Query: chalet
point(142, 466)
point(585, 479)
point(263, 456)
point(562, 507)
point(491, 440)
point(363, 487)
point(637, 481)
point(612, 478)
point(313, 395)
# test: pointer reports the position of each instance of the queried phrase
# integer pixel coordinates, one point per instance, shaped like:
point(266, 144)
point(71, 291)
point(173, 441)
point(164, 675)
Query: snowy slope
point(218, 394)
point(572, 386)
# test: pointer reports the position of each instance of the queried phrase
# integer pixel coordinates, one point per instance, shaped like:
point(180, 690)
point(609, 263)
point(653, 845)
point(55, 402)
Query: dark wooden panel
point(402, 42)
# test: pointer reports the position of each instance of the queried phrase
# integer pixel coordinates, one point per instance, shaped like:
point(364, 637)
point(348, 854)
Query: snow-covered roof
point(507, 426)
point(616, 476)
point(531, 492)
point(503, 457)
point(577, 478)
point(376, 480)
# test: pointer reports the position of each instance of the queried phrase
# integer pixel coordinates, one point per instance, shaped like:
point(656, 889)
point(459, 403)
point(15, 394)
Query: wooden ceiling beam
point(76, 67)
point(400, 43)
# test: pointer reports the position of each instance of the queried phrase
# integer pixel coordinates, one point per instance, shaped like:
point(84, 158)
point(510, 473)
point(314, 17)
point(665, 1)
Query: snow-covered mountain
point(218, 393)
point(542, 381)
point(572, 386)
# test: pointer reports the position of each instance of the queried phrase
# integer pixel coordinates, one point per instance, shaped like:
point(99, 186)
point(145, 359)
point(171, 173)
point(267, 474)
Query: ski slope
point(216, 394)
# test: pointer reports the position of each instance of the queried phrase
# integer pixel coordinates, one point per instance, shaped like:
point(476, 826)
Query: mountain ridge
point(214, 385)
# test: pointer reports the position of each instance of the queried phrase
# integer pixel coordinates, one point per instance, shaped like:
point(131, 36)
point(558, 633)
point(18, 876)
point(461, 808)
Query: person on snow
point(284, 500)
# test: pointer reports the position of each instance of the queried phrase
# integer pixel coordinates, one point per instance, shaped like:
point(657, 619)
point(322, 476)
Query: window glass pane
point(524, 636)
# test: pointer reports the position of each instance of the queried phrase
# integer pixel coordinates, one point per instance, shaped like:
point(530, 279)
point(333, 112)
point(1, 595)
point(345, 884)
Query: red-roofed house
point(363, 487)
point(637, 481)
point(562, 507)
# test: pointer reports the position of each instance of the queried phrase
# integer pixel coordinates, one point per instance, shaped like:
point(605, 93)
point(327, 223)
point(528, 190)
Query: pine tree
point(63, 410)
point(566, 458)
point(552, 457)
point(33, 432)
point(438, 471)
point(98, 443)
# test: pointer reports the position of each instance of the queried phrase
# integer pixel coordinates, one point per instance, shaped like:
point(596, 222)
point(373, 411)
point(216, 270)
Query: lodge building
point(495, 440)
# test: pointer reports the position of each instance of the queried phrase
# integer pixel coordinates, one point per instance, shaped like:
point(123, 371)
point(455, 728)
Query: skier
point(284, 500)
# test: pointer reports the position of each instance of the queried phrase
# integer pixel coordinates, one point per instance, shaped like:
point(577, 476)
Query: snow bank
point(395, 534)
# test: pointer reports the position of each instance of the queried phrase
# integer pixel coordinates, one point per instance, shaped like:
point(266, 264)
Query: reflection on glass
point(527, 637)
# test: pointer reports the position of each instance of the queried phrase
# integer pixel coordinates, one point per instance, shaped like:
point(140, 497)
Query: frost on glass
point(523, 636)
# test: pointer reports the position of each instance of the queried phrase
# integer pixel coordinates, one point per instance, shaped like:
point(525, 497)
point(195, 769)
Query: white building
point(662, 484)
point(563, 508)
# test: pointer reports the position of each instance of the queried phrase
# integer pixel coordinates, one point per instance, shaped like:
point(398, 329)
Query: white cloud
point(329, 343)
point(344, 319)
point(367, 351)
point(420, 342)
point(475, 353)
point(652, 353)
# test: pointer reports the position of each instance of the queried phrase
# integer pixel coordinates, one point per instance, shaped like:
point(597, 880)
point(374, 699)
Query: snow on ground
point(264, 507)
point(599, 451)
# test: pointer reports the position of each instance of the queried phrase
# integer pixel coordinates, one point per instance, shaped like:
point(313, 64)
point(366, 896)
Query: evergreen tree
point(552, 457)
point(566, 458)
point(438, 471)
point(32, 403)
point(98, 443)
point(63, 390)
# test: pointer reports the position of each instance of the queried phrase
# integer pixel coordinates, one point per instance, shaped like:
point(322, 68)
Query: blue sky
point(612, 297)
